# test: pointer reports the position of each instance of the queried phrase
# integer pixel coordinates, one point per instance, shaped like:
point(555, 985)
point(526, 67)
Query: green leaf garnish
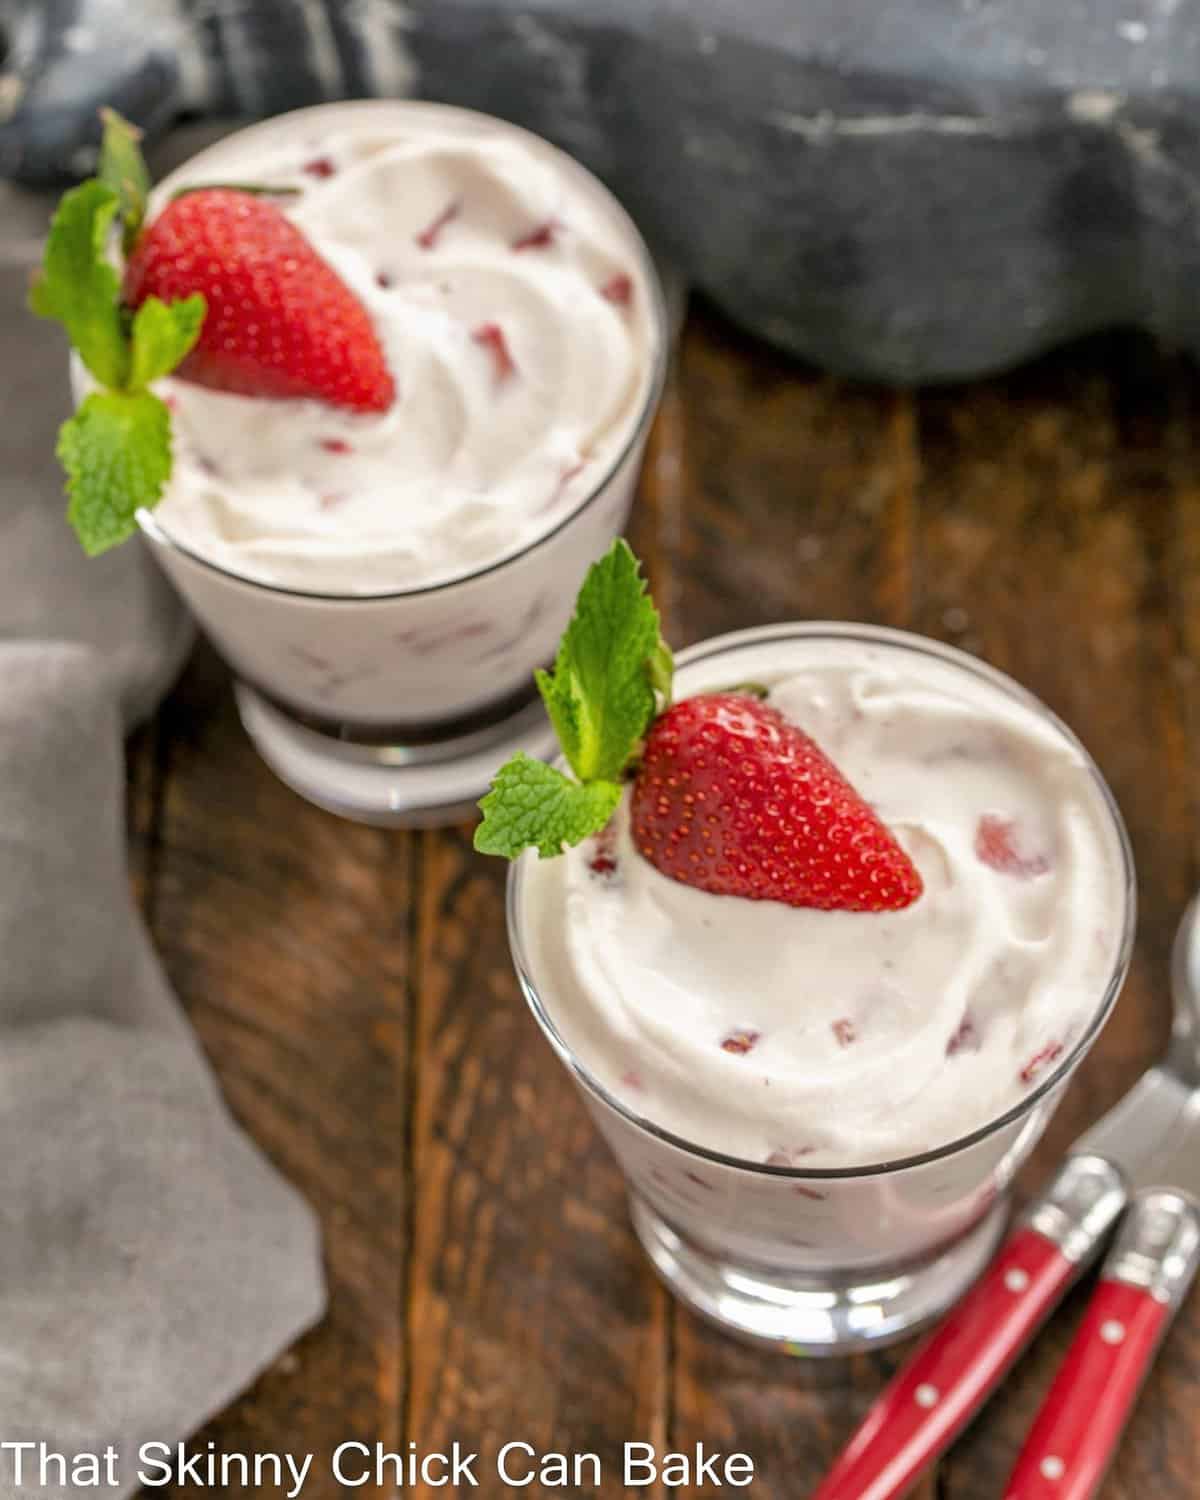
point(116, 449)
point(79, 287)
point(600, 696)
point(533, 805)
point(612, 671)
point(123, 169)
point(162, 334)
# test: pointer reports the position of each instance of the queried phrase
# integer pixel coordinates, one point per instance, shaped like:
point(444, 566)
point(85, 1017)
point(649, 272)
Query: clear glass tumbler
point(398, 707)
point(823, 1262)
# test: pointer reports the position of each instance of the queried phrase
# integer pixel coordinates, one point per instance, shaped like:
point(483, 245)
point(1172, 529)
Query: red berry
point(539, 238)
point(1051, 1052)
point(280, 320)
point(1000, 845)
point(429, 236)
point(491, 336)
point(730, 798)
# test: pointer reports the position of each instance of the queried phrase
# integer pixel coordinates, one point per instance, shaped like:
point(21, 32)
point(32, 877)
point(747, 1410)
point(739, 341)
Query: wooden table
point(353, 987)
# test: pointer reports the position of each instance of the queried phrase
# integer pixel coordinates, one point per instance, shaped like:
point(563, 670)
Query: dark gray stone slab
point(919, 190)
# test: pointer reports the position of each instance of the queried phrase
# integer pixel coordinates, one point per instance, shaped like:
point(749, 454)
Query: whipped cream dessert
point(517, 311)
point(813, 1039)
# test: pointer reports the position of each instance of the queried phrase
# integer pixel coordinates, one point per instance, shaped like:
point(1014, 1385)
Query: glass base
point(811, 1315)
point(391, 785)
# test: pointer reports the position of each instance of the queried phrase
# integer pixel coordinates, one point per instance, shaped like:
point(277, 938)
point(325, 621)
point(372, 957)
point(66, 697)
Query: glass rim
point(161, 536)
point(1064, 1067)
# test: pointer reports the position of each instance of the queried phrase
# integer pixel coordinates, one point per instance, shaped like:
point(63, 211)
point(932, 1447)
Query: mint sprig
point(123, 169)
point(612, 672)
point(116, 449)
point(534, 806)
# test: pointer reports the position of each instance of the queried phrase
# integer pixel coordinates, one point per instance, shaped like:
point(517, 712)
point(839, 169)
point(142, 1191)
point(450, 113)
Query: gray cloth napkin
point(151, 1261)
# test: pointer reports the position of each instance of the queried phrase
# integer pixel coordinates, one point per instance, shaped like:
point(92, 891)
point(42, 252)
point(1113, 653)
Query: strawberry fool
point(518, 315)
point(794, 1037)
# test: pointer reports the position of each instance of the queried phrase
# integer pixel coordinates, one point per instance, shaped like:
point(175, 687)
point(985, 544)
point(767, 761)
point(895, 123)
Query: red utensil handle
point(1145, 1278)
point(953, 1372)
point(1072, 1440)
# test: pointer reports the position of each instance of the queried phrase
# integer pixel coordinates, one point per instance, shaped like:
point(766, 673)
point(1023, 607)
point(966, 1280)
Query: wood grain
point(287, 934)
point(1045, 513)
point(532, 1314)
point(354, 989)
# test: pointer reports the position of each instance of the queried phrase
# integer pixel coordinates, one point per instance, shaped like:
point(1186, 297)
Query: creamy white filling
point(471, 245)
point(839, 1039)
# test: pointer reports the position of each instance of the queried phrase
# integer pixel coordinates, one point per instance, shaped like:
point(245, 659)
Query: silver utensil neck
point(1080, 1206)
point(1183, 1057)
point(1158, 1247)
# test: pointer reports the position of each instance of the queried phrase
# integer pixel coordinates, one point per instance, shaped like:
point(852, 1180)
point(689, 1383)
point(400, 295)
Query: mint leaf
point(162, 334)
point(116, 450)
point(601, 694)
point(123, 169)
point(534, 805)
point(79, 288)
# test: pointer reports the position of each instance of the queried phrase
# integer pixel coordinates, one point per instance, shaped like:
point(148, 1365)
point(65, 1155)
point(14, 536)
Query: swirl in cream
point(832, 1039)
point(515, 308)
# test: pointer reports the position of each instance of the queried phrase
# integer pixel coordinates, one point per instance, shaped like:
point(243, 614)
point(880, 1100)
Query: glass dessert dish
point(384, 587)
point(867, 1223)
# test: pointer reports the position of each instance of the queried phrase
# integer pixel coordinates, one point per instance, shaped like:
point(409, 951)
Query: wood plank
point(1044, 521)
point(143, 811)
point(532, 1314)
point(287, 934)
point(800, 503)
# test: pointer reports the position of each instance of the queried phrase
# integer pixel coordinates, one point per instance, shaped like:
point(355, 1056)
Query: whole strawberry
point(280, 321)
point(730, 798)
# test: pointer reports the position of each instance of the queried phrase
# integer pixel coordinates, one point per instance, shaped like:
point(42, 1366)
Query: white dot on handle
point(1016, 1280)
point(926, 1395)
point(1112, 1332)
point(1053, 1467)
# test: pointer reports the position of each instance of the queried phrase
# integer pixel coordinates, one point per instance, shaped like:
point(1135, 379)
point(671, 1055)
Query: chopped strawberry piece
point(335, 445)
point(540, 238)
point(732, 799)
point(429, 236)
point(998, 844)
point(618, 289)
point(491, 336)
point(604, 852)
point(964, 1039)
point(280, 321)
point(1042, 1059)
point(320, 166)
point(845, 1032)
point(740, 1042)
